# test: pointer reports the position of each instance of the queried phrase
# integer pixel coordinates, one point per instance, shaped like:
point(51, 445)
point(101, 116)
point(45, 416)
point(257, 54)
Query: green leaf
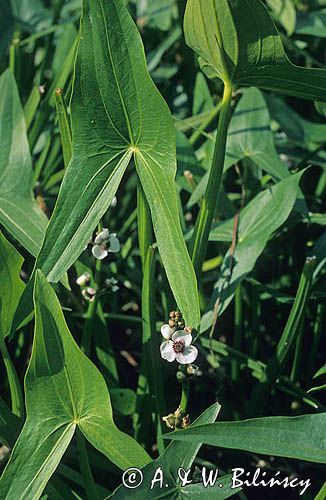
point(249, 136)
point(114, 118)
point(19, 213)
point(10, 425)
point(312, 23)
point(285, 13)
point(11, 287)
point(203, 100)
point(301, 437)
point(237, 41)
point(76, 396)
point(178, 455)
point(303, 133)
point(258, 221)
point(123, 401)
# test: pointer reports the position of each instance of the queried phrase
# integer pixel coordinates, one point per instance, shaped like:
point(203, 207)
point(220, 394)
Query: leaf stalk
point(211, 198)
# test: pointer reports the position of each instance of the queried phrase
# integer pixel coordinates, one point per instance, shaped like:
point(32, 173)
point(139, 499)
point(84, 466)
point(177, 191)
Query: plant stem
point(210, 201)
point(14, 55)
point(64, 126)
point(276, 364)
point(150, 379)
point(145, 230)
point(17, 402)
point(317, 333)
point(85, 468)
point(184, 395)
point(256, 369)
point(235, 368)
point(295, 370)
point(208, 120)
point(92, 310)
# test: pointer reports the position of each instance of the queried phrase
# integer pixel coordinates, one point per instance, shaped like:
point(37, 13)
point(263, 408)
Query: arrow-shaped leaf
point(237, 41)
point(117, 115)
point(77, 396)
point(19, 213)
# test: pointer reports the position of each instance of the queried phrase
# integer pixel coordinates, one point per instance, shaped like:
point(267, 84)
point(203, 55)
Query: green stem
point(321, 495)
point(150, 378)
point(185, 395)
point(295, 371)
point(255, 318)
point(145, 230)
point(208, 120)
point(64, 126)
point(85, 343)
point(85, 468)
point(317, 333)
point(256, 369)
point(31, 106)
point(235, 367)
point(17, 402)
point(210, 201)
point(92, 310)
point(277, 362)
point(14, 55)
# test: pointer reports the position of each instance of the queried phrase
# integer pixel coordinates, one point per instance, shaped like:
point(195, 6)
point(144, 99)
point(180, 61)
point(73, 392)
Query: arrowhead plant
point(162, 248)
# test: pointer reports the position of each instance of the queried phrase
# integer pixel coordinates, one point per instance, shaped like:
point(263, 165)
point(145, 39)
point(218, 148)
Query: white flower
point(89, 294)
point(179, 348)
point(103, 236)
point(84, 279)
point(105, 243)
point(167, 332)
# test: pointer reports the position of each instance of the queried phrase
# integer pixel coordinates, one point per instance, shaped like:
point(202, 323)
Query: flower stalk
point(17, 402)
point(150, 379)
point(210, 201)
point(64, 126)
point(287, 341)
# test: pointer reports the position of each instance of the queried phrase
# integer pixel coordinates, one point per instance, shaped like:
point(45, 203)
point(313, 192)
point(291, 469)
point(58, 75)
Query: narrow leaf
point(11, 287)
point(19, 213)
point(301, 437)
point(258, 220)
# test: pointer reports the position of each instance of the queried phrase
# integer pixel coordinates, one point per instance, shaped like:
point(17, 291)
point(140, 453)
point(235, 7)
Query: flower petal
point(114, 244)
point(84, 279)
point(166, 331)
point(99, 252)
point(182, 336)
point(102, 236)
point(188, 356)
point(167, 351)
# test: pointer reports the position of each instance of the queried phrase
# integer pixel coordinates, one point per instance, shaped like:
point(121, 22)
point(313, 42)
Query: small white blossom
point(179, 347)
point(84, 279)
point(167, 332)
point(105, 243)
point(89, 294)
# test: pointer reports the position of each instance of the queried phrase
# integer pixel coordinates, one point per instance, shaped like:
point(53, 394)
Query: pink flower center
point(178, 346)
